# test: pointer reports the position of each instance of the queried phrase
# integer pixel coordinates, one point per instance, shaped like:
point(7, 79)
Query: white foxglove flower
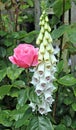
point(46, 56)
point(50, 48)
point(42, 30)
point(47, 75)
point(46, 26)
point(48, 65)
point(43, 83)
point(44, 108)
point(45, 42)
point(40, 57)
point(50, 87)
point(33, 106)
point(43, 22)
point(48, 97)
point(50, 39)
point(56, 50)
point(53, 69)
point(40, 37)
point(53, 59)
point(42, 49)
point(35, 78)
point(46, 19)
point(41, 69)
point(39, 90)
point(47, 35)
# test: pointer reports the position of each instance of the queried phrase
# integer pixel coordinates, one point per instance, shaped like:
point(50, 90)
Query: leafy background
point(17, 26)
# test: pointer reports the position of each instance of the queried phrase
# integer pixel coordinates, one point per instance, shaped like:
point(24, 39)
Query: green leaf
point(13, 72)
point(58, 7)
point(22, 98)
point(72, 34)
point(60, 127)
point(74, 106)
point(24, 120)
point(60, 66)
point(68, 100)
point(67, 80)
point(30, 2)
point(74, 90)
point(30, 36)
point(4, 90)
point(18, 114)
point(32, 96)
point(59, 32)
point(2, 74)
point(67, 121)
point(19, 84)
point(2, 52)
point(40, 123)
point(4, 118)
point(3, 33)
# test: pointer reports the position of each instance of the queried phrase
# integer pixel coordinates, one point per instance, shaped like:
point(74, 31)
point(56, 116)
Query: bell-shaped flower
point(47, 35)
point(35, 78)
point(56, 50)
point(50, 48)
point(50, 87)
point(44, 108)
point(33, 106)
point(38, 90)
point(40, 57)
point(53, 69)
point(43, 83)
point(40, 37)
point(45, 42)
point(48, 97)
point(46, 56)
point(43, 22)
point(41, 69)
point(42, 48)
point(48, 65)
point(53, 59)
point(42, 29)
point(46, 26)
point(46, 19)
point(50, 39)
point(47, 75)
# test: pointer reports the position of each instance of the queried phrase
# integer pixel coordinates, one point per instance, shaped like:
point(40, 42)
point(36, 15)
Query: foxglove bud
point(42, 48)
point(46, 56)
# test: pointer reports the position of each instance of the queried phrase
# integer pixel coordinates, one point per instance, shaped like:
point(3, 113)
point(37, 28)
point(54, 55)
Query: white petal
point(33, 106)
point(45, 42)
point(40, 57)
point(56, 50)
point(42, 48)
point(41, 69)
point(48, 65)
point(46, 56)
point(50, 48)
point(53, 59)
point(38, 89)
point(43, 83)
point(47, 75)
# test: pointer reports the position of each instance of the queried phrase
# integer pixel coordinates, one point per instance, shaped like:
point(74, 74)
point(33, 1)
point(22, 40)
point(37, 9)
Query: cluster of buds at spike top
point(43, 76)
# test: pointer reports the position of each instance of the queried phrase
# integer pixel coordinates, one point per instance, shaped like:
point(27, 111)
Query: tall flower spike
point(46, 68)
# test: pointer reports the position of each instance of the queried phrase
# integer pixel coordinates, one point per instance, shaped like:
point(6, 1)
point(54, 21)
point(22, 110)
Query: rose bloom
point(25, 56)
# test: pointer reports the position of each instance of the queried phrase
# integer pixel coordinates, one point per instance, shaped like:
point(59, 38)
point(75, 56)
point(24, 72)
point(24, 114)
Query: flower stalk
point(43, 76)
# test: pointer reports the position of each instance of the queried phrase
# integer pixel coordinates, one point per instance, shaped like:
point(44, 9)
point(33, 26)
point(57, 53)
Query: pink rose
point(25, 55)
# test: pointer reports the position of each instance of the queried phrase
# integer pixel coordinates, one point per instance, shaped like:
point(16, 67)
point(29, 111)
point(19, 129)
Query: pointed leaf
point(4, 90)
point(67, 80)
point(14, 72)
point(40, 123)
point(2, 74)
